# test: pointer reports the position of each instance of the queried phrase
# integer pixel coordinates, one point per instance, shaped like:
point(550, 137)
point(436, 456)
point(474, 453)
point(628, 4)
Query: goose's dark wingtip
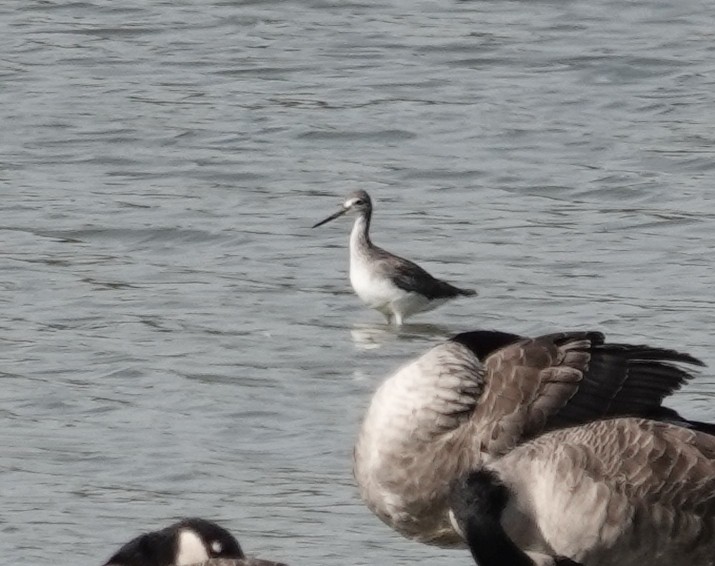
point(679, 357)
point(643, 352)
point(695, 362)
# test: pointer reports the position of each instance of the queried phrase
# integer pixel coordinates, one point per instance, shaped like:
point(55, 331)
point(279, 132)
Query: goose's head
point(189, 541)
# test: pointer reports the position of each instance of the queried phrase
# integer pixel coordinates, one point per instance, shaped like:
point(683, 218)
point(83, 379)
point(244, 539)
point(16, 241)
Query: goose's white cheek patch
point(191, 549)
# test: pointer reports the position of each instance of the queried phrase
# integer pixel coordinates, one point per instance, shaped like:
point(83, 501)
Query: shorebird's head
point(358, 202)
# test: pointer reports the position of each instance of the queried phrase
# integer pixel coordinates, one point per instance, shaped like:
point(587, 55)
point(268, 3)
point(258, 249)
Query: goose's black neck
point(478, 502)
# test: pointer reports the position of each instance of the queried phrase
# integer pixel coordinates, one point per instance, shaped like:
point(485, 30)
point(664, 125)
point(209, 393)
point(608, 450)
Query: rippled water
point(176, 341)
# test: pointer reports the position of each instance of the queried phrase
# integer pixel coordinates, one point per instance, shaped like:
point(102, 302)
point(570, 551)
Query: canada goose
point(395, 286)
point(472, 399)
point(626, 492)
point(191, 541)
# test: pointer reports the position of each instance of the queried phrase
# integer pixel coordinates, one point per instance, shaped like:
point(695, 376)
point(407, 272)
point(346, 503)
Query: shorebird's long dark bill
point(331, 217)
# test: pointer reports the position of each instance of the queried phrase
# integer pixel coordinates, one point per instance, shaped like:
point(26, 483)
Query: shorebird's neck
point(360, 236)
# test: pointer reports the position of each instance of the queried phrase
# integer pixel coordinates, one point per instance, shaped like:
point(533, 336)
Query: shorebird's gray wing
point(409, 276)
point(566, 379)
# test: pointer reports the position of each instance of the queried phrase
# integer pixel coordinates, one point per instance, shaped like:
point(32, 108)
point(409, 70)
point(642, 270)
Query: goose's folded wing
point(664, 469)
point(565, 379)
point(643, 486)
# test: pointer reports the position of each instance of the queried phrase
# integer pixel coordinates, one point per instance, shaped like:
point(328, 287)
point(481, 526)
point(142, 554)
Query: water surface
point(176, 341)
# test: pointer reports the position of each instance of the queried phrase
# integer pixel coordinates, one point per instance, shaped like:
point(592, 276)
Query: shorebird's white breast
point(374, 289)
point(371, 284)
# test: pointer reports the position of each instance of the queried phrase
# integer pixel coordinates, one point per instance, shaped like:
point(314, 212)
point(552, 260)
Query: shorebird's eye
point(359, 201)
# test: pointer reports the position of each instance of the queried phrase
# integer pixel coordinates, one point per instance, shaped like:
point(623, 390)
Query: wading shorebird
point(395, 286)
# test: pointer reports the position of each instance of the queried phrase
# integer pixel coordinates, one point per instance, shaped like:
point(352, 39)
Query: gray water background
point(174, 338)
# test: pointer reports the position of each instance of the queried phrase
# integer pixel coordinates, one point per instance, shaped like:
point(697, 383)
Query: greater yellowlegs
point(395, 286)
point(469, 401)
point(191, 541)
